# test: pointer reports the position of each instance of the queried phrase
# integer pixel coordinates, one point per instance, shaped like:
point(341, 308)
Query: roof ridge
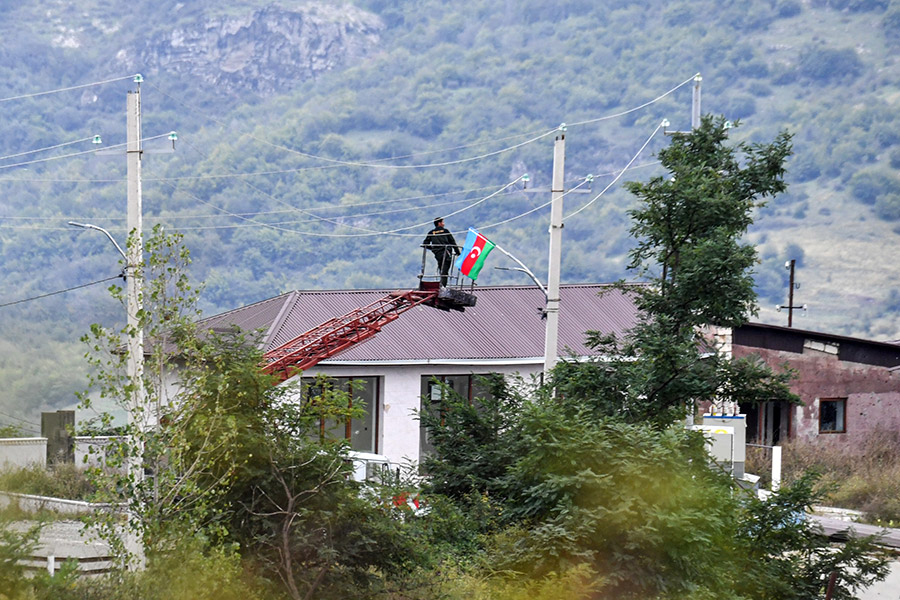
point(280, 318)
point(245, 307)
point(386, 290)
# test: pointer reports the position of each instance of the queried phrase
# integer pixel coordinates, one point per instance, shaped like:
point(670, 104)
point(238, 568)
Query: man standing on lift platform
point(440, 241)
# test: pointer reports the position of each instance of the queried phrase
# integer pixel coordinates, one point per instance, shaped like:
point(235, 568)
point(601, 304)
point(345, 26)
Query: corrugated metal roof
point(505, 323)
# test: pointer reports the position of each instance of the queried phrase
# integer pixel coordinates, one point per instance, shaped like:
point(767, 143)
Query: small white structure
point(92, 451)
point(372, 467)
point(726, 441)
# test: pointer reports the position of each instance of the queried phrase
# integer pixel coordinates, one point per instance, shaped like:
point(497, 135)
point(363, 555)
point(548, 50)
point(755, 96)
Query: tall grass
point(866, 478)
point(58, 481)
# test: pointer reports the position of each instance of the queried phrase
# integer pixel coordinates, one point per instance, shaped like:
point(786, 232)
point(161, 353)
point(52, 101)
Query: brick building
point(849, 387)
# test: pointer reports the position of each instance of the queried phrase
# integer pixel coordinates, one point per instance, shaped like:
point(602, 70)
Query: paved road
point(889, 589)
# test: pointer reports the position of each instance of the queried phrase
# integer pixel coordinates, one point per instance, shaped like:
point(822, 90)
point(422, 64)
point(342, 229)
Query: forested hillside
point(316, 144)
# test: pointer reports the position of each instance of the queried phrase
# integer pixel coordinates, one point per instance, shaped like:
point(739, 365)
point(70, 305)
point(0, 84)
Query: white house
point(503, 333)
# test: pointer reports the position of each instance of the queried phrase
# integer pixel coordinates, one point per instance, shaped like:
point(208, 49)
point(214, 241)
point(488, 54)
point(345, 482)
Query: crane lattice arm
point(339, 334)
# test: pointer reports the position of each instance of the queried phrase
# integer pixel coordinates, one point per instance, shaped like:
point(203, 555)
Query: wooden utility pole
point(791, 287)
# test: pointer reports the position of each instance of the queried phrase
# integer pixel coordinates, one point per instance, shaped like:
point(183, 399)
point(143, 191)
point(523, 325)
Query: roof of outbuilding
point(504, 324)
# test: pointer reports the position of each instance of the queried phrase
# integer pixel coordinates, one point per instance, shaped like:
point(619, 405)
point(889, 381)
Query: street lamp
point(135, 364)
point(111, 238)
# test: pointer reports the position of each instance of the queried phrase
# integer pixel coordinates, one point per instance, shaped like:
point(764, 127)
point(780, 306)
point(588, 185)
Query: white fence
point(21, 453)
point(33, 504)
point(769, 458)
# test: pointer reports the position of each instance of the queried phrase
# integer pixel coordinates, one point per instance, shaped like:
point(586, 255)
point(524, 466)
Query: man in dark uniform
point(440, 241)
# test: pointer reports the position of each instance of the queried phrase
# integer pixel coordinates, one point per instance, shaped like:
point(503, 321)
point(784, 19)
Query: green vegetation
point(587, 483)
point(867, 480)
point(57, 481)
point(593, 478)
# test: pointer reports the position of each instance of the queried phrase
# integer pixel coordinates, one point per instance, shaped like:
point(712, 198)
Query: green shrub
point(60, 481)
point(189, 572)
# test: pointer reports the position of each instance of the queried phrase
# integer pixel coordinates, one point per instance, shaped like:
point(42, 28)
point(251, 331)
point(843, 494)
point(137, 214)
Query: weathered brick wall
point(872, 393)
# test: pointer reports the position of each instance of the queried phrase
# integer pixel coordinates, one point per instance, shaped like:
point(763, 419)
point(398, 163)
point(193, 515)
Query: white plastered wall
point(401, 388)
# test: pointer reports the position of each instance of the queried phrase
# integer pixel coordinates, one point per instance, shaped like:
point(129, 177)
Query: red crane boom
point(336, 335)
point(341, 333)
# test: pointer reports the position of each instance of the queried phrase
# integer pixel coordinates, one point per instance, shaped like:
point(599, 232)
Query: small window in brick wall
point(832, 413)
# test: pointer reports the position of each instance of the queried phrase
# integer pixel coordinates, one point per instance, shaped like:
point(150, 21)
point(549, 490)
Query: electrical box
point(727, 441)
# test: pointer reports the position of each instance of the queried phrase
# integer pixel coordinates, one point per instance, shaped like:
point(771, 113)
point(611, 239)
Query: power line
point(376, 164)
point(536, 208)
point(413, 155)
point(251, 223)
point(77, 287)
point(335, 163)
point(20, 419)
point(31, 162)
point(622, 172)
point(21, 428)
point(631, 110)
point(368, 232)
point(373, 165)
point(65, 89)
point(47, 148)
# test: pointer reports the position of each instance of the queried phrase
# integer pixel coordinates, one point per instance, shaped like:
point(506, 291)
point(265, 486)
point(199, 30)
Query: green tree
point(787, 555)
point(230, 460)
point(690, 227)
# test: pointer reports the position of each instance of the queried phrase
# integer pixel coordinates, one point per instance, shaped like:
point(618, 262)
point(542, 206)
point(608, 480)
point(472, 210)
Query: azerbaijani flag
point(473, 254)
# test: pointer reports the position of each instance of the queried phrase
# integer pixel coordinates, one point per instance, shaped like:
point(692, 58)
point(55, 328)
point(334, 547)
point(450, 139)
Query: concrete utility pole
point(557, 191)
point(695, 109)
point(134, 265)
point(695, 103)
point(791, 295)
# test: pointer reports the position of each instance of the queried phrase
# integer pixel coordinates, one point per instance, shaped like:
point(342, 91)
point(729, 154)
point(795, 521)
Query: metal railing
point(431, 270)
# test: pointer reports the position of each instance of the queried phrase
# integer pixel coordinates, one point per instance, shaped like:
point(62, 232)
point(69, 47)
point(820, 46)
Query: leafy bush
point(187, 572)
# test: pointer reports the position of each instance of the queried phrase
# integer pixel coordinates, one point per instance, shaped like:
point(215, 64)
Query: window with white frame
point(832, 415)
